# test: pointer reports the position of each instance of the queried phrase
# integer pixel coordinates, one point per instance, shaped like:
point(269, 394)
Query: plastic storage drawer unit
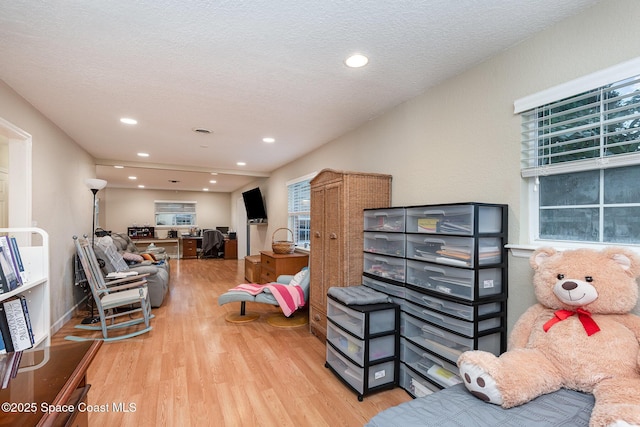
point(384, 243)
point(379, 348)
point(454, 219)
point(353, 321)
point(468, 312)
point(415, 384)
point(453, 281)
point(377, 375)
point(443, 373)
point(385, 266)
point(456, 251)
point(443, 321)
point(447, 344)
point(388, 220)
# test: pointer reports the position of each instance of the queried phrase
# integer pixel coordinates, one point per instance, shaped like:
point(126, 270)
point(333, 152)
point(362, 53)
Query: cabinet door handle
point(333, 236)
point(316, 317)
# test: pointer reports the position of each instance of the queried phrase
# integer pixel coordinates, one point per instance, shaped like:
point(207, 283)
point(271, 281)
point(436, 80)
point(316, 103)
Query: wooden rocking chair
point(118, 299)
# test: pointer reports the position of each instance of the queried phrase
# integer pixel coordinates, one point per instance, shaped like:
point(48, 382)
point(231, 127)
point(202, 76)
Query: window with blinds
point(299, 210)
point(582, 153)
point(175, 214)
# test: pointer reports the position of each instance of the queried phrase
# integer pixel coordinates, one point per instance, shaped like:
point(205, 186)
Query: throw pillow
point(297, 278)
point(129, 257)
point(148, 257)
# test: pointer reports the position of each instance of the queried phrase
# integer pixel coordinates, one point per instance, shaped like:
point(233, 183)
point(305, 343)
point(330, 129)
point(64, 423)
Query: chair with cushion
point(266, 294)
point(212, 244)
point(121, 302)
point(130, 252)
point(112, 261)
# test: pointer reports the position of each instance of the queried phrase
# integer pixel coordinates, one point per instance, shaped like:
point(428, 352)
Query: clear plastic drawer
point(385, 266)
point(354, 321)
point(444, 321)
point(438, 370)
point(456, 251)
point(449, 345)
point(384, 243)
point(353, 348)
point(377, 375)
point(392, 220)
point(453, 281)
point(468, 312)
point(387, 288)
point(454, 219)
point(414, 383)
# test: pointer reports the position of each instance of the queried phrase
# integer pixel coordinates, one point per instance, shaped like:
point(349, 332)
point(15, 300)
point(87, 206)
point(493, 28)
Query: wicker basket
point(282, 246)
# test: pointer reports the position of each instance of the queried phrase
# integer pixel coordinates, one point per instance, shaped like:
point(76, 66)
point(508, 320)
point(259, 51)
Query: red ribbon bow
point(584, 316)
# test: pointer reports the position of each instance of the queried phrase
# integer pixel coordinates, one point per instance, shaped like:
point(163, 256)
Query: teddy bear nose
point(569, 286)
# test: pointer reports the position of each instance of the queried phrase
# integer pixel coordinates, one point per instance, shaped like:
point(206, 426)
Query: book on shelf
point(23, 275)
point(4, 330)
point(6, 263)
point(21, 337)
point(25, 309)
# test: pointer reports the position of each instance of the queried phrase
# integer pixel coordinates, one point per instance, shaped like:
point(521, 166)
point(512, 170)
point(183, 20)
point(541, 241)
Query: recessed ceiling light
point(143, 154)
point(241, 164)
point(356, 61)
point(119, 167)
point(213, 181)
point(128, 121)
point(205, 189)
point(133, 177)
point(269, 139)
point(140, 186)
point(214, 173)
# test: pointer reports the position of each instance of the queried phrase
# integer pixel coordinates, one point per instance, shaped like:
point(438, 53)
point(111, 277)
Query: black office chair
point(212, 244)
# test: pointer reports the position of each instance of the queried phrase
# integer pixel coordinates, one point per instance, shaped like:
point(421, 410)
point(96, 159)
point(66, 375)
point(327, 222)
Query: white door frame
point(20, 176)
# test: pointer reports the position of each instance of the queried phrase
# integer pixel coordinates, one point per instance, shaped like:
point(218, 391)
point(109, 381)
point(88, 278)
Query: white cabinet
point(34, 251)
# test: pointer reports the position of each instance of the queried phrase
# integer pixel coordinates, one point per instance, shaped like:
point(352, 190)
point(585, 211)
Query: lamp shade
point(95, 184)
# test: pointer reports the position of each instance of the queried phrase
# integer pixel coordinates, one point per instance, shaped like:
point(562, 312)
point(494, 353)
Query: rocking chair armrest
point(110, 282)
point(138, 284)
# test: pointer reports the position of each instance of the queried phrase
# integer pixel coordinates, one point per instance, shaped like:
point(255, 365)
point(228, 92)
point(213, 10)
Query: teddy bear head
point(598, 281)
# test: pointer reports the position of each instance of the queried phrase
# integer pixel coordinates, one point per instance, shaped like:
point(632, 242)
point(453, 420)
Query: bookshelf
point(34, 250)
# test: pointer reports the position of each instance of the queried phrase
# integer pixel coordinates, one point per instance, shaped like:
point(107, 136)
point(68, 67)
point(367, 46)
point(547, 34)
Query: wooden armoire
point(337, 220)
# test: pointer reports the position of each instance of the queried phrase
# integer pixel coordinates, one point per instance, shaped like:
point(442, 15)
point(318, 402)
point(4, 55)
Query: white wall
point(121, 208)
point(460, 141)
point(61, 202)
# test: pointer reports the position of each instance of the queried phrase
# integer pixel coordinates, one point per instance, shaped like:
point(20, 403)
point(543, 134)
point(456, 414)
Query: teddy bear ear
point(541, 255)
point(626, 259)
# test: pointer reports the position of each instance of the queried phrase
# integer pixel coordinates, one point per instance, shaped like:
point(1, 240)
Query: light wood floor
point(196, 369)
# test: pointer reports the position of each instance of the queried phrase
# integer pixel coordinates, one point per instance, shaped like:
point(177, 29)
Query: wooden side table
point(273, 265)
point(50, 378)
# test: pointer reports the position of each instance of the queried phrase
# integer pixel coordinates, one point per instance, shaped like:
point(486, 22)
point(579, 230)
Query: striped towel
point(289, 297)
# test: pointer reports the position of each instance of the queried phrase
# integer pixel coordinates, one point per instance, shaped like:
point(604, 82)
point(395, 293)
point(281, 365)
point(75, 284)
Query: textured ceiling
point(243, 69)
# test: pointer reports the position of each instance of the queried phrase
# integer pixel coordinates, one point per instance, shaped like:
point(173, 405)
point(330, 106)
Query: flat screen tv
point(254, 205)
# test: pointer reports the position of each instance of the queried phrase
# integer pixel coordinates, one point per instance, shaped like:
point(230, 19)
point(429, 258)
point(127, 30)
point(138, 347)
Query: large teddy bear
point(581, 336)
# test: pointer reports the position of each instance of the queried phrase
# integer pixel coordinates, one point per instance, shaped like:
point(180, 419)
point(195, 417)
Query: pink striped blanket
point(289, 297)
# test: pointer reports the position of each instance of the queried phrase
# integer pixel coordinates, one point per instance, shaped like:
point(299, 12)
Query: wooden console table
point(51, 386)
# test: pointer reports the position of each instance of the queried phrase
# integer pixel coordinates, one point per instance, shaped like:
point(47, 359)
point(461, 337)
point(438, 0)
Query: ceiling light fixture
point(205, 189)
point(356, 61)
point(133, 177)
point(143, 154)
point(140, 186)
point(213, 181)
point(128, 121)
point(119, 167)
point(268, 140)
point(241, 164)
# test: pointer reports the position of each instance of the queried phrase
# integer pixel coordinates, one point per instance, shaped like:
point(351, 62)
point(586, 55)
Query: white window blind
point(593, 130)
point(175, 213)
point(299, 210)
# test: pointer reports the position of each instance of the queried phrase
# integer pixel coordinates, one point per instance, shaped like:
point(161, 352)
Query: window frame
point(194, 214)
point(530, 220)
point(292, 214)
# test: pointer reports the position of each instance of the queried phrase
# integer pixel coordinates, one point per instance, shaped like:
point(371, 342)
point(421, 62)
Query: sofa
point(111, 260)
